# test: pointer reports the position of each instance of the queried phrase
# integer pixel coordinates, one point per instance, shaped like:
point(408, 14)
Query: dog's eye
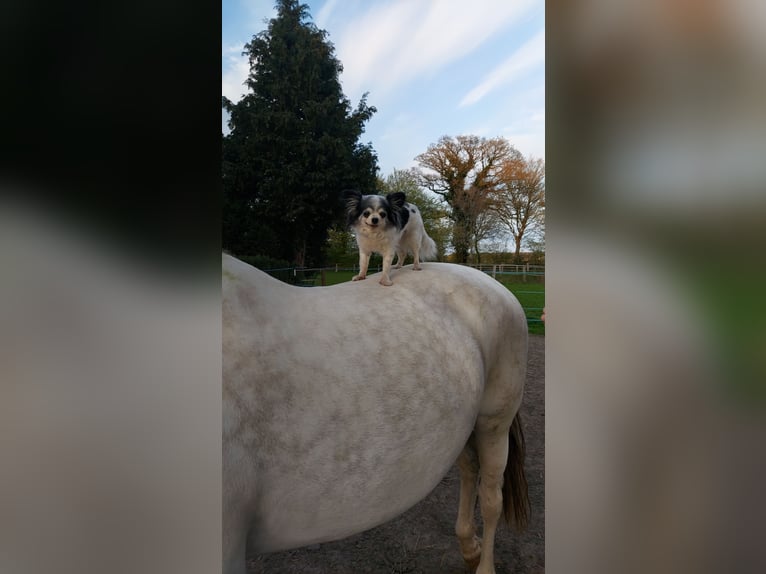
point(366, 214)
point(382, 214)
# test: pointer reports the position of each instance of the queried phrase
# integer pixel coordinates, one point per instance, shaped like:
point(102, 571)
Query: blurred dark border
point(110, 115)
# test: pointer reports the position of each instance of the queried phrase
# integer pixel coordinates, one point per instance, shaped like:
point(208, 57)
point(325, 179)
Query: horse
point(344, 406)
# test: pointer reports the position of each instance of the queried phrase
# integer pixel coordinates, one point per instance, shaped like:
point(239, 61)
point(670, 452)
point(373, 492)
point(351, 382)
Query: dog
point(389, 226)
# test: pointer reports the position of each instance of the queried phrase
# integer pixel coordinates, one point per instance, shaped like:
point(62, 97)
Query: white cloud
point(529, 56)
point(324, 14)
point(247, 17)
point(234, 49)
point(235, 68)
point(528, 143)
point(395, 42)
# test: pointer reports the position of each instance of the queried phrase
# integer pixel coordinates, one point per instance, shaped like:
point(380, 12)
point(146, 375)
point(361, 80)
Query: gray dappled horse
point(344, 406)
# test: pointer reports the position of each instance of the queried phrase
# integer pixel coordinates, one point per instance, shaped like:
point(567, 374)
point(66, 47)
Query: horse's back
point(345, 405)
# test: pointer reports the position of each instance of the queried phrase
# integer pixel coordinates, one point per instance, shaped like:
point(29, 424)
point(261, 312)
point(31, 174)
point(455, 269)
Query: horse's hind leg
point(465, 528)
point(492, 447)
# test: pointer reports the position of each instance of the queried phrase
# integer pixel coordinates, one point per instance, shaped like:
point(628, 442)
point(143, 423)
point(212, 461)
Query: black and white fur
point(415, 240)
point(389, 226)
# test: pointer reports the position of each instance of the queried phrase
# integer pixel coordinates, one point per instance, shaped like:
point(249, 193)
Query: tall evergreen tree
point(293, 145)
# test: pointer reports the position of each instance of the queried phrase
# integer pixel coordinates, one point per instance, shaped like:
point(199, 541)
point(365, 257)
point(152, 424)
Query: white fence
point(317, 276)
point(523, 270)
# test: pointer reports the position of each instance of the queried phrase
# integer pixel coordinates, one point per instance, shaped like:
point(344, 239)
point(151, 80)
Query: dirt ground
point(422, 540)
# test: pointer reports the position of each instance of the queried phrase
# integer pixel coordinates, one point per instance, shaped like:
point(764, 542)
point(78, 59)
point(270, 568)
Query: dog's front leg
point(388, 258)
point(364, 261)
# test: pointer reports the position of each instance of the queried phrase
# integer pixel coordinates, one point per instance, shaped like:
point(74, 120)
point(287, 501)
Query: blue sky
point(431, 67)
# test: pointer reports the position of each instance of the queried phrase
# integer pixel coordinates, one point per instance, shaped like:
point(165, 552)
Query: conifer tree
point(293, 145)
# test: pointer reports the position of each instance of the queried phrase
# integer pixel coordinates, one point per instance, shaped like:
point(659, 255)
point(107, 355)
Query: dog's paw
point(386, 281)
point(418, 268)
point(358, 277)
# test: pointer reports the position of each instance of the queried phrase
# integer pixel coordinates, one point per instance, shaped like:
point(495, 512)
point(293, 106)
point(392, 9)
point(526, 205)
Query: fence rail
point(298, 273)
point(508, 267)
point(510, 275)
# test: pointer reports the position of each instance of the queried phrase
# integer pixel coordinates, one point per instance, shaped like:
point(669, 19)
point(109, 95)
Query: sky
point(431, 68)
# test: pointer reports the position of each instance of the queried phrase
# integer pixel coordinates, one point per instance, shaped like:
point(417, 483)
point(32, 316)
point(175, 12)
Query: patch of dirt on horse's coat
point(422, 540)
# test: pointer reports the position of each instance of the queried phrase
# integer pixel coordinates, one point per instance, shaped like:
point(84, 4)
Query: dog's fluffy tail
point(428, 250)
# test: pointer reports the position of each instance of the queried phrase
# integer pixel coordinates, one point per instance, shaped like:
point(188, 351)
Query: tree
point(463, 172)
point(293, 144)
point(487, 226)
point(521, 203)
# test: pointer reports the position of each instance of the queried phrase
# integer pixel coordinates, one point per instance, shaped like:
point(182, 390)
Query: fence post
point(494, 272)
point(324, 283)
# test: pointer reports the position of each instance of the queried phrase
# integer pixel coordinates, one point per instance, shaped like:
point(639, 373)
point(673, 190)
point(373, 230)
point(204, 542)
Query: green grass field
point(532, 298)
point(531, 295)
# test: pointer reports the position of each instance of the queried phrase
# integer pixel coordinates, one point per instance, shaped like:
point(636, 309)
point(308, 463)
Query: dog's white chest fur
point(375, 238)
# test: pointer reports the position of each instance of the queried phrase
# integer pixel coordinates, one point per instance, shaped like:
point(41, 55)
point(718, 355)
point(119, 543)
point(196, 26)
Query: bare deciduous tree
point(520, 203)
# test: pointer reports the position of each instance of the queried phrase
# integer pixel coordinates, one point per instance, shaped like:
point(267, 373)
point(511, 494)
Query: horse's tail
point(515, 489)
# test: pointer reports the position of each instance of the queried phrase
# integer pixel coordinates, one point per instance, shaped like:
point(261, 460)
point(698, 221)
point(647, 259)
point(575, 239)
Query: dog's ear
point(353, 199)
point(399, 213)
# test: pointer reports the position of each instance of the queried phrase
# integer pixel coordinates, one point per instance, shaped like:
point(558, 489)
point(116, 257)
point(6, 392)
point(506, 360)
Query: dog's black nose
point(374, 220)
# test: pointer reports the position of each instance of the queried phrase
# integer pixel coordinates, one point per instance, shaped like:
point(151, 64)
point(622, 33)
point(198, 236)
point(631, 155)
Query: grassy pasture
point(532, 298)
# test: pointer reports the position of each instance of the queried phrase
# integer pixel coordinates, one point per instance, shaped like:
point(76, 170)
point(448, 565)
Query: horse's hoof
point(472, 560)
point(472, 563)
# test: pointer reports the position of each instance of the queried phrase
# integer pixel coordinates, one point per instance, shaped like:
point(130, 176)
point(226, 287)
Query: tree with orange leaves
point(464, 171)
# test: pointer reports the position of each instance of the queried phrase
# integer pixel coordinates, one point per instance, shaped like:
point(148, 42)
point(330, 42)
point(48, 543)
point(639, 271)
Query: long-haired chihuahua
point(389, 226)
